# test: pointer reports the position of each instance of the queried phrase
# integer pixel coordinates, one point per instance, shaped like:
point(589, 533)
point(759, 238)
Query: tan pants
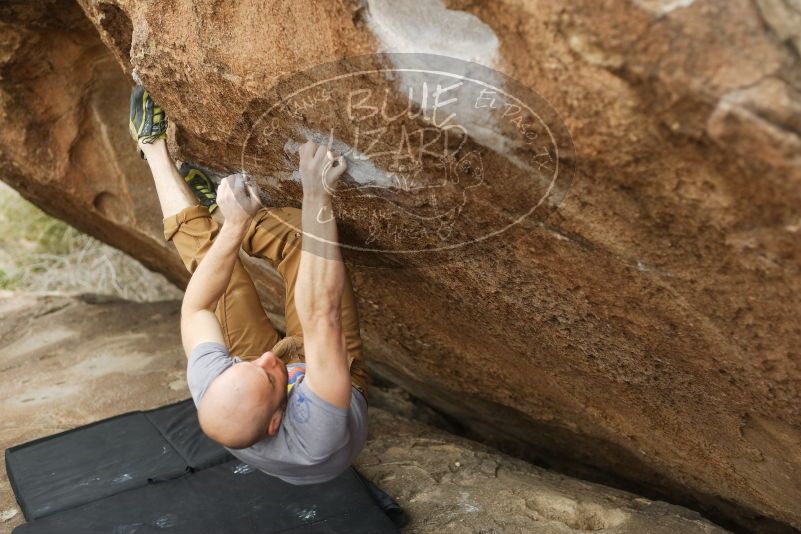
point(275, 236)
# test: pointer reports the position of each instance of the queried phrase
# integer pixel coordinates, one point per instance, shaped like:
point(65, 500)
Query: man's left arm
point(210, 279)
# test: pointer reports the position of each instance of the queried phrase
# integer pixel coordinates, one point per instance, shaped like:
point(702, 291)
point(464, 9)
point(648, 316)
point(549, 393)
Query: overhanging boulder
point(646, 328)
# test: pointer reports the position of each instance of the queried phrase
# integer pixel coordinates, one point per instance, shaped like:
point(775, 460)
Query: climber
point(294, 408)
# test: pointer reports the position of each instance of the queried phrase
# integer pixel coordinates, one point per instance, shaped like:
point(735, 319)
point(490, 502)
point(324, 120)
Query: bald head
point(240, 406)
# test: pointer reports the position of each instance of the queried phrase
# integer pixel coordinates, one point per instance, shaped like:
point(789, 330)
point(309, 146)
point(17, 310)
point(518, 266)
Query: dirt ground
point(71, 360)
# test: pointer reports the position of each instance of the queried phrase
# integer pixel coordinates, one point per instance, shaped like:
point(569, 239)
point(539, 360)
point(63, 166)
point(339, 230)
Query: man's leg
point(275, 235)
point(247, 330)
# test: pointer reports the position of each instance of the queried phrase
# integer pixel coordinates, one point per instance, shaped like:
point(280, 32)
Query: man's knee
point(275, 234)
point(192, 220)
point(289, 218)
point(192, 231)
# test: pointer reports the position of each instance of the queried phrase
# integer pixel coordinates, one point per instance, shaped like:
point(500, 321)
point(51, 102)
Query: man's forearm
point(321, 279)
point(321, 274)
point(211, 277)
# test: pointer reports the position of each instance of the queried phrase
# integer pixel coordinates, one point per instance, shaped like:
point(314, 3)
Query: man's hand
point(238, 200)
point(320, 169)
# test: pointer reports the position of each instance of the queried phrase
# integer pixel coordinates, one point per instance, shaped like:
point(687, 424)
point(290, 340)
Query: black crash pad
point(178, 424)
point(147, 471)
point(229, 498)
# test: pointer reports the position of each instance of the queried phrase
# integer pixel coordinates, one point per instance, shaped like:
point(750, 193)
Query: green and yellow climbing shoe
point(147, 122)
point(201, 185)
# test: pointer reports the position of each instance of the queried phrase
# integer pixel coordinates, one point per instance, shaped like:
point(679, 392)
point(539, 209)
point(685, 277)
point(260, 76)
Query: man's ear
point(275, 422)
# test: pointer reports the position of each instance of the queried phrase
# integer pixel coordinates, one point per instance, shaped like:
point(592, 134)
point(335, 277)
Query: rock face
point(71, 360)
point(453, 485)
point(645, 329)
point(64, 142)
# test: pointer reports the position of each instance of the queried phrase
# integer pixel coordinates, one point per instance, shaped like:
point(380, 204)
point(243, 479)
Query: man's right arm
point(208, 282)
point(320, 283)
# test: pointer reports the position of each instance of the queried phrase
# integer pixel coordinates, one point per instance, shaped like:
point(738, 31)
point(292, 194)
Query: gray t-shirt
point(316, 440)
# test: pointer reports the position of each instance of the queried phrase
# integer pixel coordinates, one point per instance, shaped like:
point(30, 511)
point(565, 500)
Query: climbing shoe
point(201, 185)
point(147, 122)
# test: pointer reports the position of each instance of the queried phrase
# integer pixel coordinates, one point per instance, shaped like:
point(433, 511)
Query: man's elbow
point(186, 318)
point(191, 306)
point(187, 310)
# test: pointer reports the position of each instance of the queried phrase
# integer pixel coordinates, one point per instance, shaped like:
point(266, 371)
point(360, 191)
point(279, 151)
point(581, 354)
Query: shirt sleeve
point(206, 362)
point(317, 426)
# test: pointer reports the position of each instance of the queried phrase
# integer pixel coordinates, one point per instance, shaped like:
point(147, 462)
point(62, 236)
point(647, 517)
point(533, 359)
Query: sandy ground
point(67, 361)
